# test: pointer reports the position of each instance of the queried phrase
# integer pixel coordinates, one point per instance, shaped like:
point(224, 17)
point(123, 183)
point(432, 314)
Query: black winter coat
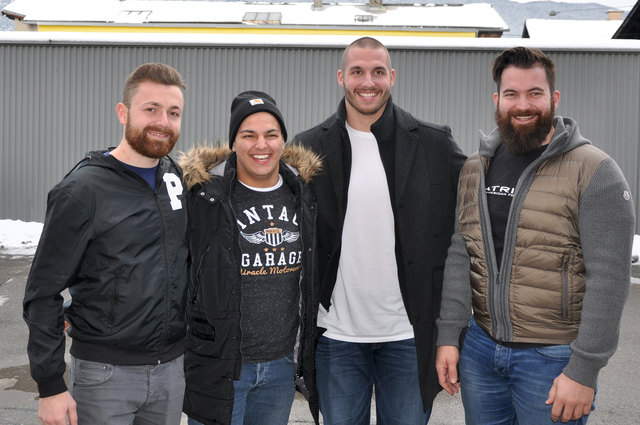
point(422, 163)
point(121, 249)
point(213, 358)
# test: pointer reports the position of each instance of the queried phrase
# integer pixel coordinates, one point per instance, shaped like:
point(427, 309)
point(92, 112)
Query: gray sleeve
point(455, 309)
point(606, 223)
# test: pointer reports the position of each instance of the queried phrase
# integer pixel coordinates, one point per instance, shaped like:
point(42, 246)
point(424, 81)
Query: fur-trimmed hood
point(197, 163)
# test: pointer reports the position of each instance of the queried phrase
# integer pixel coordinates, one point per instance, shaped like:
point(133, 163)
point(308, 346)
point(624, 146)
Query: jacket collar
point(393, 125)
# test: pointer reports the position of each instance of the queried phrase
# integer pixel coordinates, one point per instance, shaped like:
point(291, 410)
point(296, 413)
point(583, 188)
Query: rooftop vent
point(133, 16)
point(262, 17)
point(363, 18)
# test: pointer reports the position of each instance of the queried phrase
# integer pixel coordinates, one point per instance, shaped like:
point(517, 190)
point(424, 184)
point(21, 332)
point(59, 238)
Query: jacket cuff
point(52, 386)
point(448, 335)
point(582, 371)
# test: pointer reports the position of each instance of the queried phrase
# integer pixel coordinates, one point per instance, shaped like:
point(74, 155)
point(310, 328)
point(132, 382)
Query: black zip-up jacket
point(121, 250)
point(422, 163)
point(213, 359)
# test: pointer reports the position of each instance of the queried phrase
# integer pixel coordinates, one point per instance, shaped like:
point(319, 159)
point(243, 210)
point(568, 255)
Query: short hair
point(365, 43)
point(154, 72)
point(525, 58)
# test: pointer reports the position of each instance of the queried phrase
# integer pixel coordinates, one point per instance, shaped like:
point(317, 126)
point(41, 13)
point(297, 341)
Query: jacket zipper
point(565, 288)
point(236, 240)
point(301, 305)
point(167, 279)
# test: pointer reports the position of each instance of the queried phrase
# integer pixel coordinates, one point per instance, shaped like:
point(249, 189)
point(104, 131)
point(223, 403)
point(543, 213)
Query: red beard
point(140, 142)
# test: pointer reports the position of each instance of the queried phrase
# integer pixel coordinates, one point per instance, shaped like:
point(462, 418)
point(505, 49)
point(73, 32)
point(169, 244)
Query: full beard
point(527, 138)
point(142, 144)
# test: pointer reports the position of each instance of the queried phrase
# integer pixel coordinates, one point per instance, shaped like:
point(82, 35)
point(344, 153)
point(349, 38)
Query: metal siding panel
point(452, 88)
point(60, 100)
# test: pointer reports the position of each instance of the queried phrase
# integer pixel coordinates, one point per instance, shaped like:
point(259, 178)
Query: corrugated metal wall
point(58, 101)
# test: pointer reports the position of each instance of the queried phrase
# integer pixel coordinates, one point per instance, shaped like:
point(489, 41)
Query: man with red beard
point(542, 254)
point(115, 237)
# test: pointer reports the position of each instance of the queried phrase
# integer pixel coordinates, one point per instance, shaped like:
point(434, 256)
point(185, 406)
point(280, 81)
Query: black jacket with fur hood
point(213, 359)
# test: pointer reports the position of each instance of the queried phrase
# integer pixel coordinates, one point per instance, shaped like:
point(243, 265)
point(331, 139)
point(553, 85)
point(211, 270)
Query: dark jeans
point(347, 372)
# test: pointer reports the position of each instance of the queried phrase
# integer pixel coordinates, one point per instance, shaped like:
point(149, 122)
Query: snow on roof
point(625, 5)
point(114, 12)
point(308, 40)
point(554, 29)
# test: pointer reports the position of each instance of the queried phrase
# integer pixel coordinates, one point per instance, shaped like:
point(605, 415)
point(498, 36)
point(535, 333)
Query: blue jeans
point(502, 385)
point(264, 393)
point(346, 373)
point(123, 395)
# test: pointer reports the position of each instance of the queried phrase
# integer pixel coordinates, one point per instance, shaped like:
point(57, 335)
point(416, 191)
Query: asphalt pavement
point(617, 401)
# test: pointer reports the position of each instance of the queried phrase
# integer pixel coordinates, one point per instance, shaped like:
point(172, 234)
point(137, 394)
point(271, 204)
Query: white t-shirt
point(366, 304)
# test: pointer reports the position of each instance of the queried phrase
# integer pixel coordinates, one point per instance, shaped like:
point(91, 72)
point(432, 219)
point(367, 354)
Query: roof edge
point(306, 41)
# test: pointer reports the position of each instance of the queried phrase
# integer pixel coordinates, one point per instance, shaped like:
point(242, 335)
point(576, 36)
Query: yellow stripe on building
point(223, 30)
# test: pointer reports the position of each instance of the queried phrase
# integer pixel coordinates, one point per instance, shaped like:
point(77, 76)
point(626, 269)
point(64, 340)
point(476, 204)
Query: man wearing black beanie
point(251, 102)
point(251, 315)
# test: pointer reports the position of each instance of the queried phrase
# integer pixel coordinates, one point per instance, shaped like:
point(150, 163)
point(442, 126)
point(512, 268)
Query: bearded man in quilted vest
point(541, 251)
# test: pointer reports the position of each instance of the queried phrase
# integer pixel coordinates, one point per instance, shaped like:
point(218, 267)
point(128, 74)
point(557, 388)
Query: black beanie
point(248, 103)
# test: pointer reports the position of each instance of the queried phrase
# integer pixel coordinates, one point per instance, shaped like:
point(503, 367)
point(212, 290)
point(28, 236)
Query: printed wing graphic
point(290, 236)
point(272, 236)
point(256, 238)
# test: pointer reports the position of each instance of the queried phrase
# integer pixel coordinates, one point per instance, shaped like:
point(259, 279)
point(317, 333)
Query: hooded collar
point(566, 136)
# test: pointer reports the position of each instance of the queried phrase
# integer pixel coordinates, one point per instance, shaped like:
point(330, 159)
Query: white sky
point(21, 238)
point(617, 4)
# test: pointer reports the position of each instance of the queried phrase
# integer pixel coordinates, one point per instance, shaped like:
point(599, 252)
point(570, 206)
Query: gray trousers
point(125, 395)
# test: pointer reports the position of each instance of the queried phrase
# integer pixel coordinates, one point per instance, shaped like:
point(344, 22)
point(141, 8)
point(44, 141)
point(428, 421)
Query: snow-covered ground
point(21, 238)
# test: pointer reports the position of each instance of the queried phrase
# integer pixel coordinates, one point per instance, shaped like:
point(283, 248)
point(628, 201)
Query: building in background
point(630, 28)
point(373, 18)
point(59, 91)
point(566, 29)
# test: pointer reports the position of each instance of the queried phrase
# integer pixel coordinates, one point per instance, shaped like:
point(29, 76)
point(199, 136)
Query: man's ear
point(340, 78)
point(122, 112)
point(556, 99)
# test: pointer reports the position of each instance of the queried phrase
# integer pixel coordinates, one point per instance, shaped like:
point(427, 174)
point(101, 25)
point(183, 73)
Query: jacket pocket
point(85, 373)
point(201, 339)
point(197, 279)
point(201, 329)
point(111, 318)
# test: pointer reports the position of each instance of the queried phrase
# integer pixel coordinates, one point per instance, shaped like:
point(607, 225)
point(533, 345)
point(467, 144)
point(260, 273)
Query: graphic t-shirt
point(270, 265)
point(501, 181)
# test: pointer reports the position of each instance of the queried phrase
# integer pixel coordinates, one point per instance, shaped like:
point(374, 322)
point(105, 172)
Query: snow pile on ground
point(19, 237)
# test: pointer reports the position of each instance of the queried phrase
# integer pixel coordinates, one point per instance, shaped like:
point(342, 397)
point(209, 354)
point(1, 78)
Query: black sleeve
point(64, 238)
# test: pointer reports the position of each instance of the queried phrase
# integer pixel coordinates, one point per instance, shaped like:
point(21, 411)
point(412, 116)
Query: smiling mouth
point(261, 157)
point(158, 134)
point(367, 95)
